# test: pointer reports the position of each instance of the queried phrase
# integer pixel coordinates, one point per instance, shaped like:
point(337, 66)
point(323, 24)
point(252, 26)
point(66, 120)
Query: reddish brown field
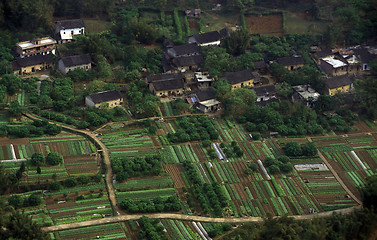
point(174, 171)
point(269, 25)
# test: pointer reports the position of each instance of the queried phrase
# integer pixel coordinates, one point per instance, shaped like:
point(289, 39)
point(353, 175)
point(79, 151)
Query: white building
point(65, 30)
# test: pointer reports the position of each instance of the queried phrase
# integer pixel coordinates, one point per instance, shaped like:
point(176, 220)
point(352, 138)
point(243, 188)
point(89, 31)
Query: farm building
point(291, 63)
point(66, 29)
point(111, 98)
point(70, 63)
point(366, 55)
point(205, 101)
point(32, 64)
point(163, 85)
point(333, 66)
point(185, 50)
point(205, 39)
point(190, 63)
point(203, 79)
point(265, 93)
point(244, 78)
point(42, 46)
point(305, 94)
point(167, 88)
point(338, 84)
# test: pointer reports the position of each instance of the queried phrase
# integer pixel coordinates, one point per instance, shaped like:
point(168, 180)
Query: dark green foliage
point(193, 129)
point(237, 42)
point(12, 83)
point(54, 158)
point(37, 159)
point(19, 225)
point(156, 205)
point(151, 229)
point(370, 192)
point(324, 103)
point(16, 201)
point(206, 143)
point(37, 128)
point(70, 182)
point(147, 166)
point(55, 186)
point(142, 103)
point(292, 149)
point(15, 109)
point(309, 149)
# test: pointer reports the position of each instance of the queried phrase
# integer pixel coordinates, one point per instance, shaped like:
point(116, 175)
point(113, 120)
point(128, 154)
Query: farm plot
point(178, 154)
point(149, 194)
point(144, 183)
point(78, 204)
point(104, 231)
point(127, 139)
point(180, 230)
point(229, 131)
point(269, 25)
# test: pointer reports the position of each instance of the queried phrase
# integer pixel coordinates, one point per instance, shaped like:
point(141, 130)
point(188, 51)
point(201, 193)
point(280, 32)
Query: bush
point(250, 127)
point(309, 149)
point(292, 149)
point(54, 158)
point(206, 143)
point(55, 186)
point(37, 159)
point(70, 182)
point(274, 169)
point(15, 201)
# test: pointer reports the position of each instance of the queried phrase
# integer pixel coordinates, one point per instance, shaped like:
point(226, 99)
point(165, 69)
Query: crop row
point(145, 194)
point(130, 153)
point(179, 154)
point(161, 182)
point(93, 229)
point(178, 230)
point(226, 172)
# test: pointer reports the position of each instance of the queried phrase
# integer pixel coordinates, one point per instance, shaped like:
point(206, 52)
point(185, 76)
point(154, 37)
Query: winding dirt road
point(185, 217)
point(119, 218)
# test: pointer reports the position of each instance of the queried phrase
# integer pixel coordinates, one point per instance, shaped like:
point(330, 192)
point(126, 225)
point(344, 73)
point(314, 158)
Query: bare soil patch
point(269, 25)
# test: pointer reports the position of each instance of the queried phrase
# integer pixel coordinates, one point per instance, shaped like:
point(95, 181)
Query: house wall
point(334, 71)
point(294, 67)
point(210, 43)
point(36, 68)
point(165, 93)
point(47, 49)
point(342, 89)
point(65, 70)
point(67, 34)
point(111, 104)
point(248, 83)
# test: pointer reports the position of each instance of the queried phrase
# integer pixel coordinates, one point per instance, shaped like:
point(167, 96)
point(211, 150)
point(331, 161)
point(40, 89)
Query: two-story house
point(42, 46)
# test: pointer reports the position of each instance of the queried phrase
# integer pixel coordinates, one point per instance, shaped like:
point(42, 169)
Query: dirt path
point(106, 159)
point(336, 175)
point(186, 218)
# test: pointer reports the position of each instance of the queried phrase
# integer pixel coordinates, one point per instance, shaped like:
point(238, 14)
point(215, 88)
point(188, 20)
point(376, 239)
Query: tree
point(15, 109)
point(217, 60)
point(370, 192)
point(237, 42)
point(287, 167)
point(54, 158)
point(15, 201)
point(34, 200)
point(242, 4)
point(12, 83)
point(292, 149)
point(70, 182)
point(19, 225)
point(206, 143)
point(39, 171)
point(253, 166)
point(278, 71)
point(37, 159)
point(55, 186)
point(309, 149)
point(274, 169)
point(104, 68)
point(324, 103)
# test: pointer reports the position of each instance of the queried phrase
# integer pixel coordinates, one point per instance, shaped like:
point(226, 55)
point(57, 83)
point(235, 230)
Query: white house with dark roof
point(70, 63)
point(205, 39)
point(205, 101)
point(66, 29)
point(111, 98)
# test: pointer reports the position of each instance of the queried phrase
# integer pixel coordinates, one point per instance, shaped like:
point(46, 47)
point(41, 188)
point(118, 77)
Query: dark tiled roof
point(168, 84)
point(207, 37)
point(289, 61)
point(240, 76)
point(168, 43)
point(33, 60)
point(324, 53)
point(265, 90)
point(259, 65)
point(364, 55)
point(338, 81)
point(264, 103)
point(188, 61)
point(167, 65)
point(105, 96)
point(225, 32)
point(186, 49)
point(76, 60)
point(69, 24)
point(205, 95)
point(164, 77)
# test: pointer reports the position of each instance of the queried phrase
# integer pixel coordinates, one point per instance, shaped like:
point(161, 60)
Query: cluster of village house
point(183, 75)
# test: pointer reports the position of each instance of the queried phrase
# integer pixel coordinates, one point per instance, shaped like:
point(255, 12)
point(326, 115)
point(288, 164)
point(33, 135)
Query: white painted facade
point(66, 35)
